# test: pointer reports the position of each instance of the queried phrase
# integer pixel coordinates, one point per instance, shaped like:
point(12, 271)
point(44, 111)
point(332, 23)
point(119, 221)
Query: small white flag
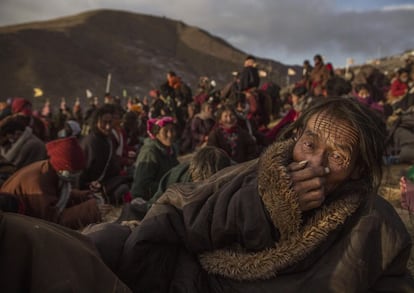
point(262, 73)
point(291, 71)
point(88, 94)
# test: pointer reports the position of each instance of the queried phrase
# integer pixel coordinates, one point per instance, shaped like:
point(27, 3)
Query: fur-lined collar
point(297, 239)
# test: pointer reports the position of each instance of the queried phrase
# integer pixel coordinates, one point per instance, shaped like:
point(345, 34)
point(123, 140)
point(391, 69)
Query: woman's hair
point(207, 161)
point(362, 86)
point(10, 125)
point(338, 86)
point(369, 125)
point(299, 91)
point(402, 70)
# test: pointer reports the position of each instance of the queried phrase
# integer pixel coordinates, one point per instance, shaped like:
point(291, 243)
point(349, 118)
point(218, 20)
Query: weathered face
point(14, 136)
point(104, 124)
point(228, 119)
point(208, 109)
point(166, 135)
point(363, 93)
point(329, 142)
point(404, 77)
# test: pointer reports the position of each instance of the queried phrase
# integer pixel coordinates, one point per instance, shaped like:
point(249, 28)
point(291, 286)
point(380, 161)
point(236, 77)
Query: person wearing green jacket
point(156, 157)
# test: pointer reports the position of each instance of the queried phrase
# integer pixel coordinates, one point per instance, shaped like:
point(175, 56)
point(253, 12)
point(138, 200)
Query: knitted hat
point(157, 123)
point(66, 154)
point(18, 105)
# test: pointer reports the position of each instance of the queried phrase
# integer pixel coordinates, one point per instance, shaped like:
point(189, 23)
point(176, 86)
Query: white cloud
point(398, 7)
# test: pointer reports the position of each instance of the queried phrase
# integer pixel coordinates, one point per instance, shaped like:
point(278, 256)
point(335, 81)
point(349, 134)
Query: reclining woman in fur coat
point(304, 217)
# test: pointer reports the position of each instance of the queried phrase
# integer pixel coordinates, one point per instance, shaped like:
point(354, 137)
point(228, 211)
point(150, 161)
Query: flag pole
point(108, 84)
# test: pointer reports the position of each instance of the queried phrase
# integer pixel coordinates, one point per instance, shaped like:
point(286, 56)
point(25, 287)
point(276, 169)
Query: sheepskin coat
point(242, 231)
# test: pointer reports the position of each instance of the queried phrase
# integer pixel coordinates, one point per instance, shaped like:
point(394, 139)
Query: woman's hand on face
point(309, 184)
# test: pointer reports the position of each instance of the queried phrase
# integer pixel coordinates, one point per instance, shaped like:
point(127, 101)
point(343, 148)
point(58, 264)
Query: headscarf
point(160, 122)
point(66, 154)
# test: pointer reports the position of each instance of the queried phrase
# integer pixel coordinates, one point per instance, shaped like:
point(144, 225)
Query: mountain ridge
point(67, 55)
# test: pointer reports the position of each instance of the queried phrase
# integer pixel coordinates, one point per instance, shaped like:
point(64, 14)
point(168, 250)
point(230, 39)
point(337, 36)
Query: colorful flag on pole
point(37, 92)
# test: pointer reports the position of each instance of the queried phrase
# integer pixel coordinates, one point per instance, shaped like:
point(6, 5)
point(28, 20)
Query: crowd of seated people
point(72, 167)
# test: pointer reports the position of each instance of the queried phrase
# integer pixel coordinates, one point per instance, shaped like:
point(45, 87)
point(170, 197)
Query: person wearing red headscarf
point(230, 137)
point(22, 109)
point(44, 188)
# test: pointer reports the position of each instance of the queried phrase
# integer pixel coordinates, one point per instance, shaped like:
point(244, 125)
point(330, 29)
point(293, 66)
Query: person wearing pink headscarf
point(156, 157)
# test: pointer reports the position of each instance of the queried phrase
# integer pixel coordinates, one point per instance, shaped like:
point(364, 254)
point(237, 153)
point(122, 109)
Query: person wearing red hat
point(44, 188)
point(22, 109)
point(157, 104)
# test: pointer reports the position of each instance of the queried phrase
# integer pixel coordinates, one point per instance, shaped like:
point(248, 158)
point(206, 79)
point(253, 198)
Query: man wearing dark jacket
point(249, 77)
point(102, 170)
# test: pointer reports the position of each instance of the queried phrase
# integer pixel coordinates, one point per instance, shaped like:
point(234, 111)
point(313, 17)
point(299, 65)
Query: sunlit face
point(228, 119)
point(208, 109)
point(166, 135)
point(363, 93)
point(329, 142)
point(104, 124)
point(404, 77)
point(190, 111)
point(295, 99)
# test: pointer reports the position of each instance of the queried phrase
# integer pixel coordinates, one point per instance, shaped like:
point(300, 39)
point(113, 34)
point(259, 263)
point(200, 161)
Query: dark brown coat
point(37, 187)
point(37, 256)
point(245, 146)
point(242, 231)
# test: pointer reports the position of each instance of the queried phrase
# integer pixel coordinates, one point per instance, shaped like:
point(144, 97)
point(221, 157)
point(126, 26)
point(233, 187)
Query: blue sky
point(288, 31)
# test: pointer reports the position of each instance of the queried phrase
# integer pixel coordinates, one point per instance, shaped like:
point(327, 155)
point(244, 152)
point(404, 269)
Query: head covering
point(154, 93)
point(11, 125)
point(76, 130)
point(410, 173)
point(160, 122)
point(137, 108)
point(19, 105)
point(66, 154)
